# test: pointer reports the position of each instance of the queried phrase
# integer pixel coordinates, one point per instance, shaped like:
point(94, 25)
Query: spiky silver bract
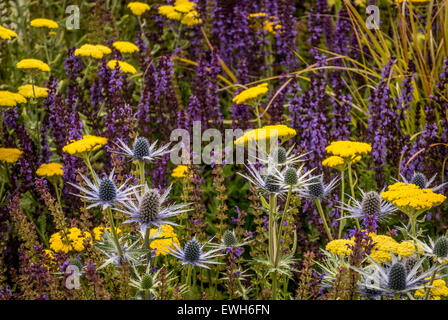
point(268, 180)
point(420, 180)
point(432, 251)
point(278, 156)
point(142, 150)
point(148, 209)
point(392, 277)
point(317, 189)
point(358, 209)
point(193, 254)
point(105, 194)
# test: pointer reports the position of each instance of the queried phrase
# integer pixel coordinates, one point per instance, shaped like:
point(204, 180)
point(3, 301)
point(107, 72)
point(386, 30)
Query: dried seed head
point(441, 247)
point(107, 190)
point(371, 203)
point(271, 184)
point(397, 277)
point(290, 177)
point(192, 251)
point(149, 206)
point(280, 155)
point(229, 238)
point(419, 180)
point(146, 282)
point(316, 188)
point(141, 148)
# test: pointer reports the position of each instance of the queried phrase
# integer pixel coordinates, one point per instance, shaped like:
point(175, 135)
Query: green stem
point(342, 223)
point(141, 165)
point(114, 231)
point(280, 228)
point(352, 189)
point(89, 165)
point(274, 285)
point(323, 218)
point(428, 288)
point(413, 225)
point(257, 112)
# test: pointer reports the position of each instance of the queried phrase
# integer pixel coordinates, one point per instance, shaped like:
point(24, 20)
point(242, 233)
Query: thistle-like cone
point(290, 177)
point(271, 183)
point(141, 148)
point(107, 190)
point(397, 277)
point(371, 203)
point(419, 180)
point(316, 188)
point(192, 251)
point(441, 247)
point(146, 283)
point(149, 206)
point(280, 155)
point(229, 238)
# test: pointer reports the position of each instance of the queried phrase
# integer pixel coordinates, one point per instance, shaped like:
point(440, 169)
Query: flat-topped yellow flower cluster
point(383, 245)
point(125, 46)
point(348, 149)
point(44, 23)
point(183, 11)
point(87, 144)
point(50, 170)
point(161, 245)
point(28, 91)
point(98, 232)
point(180, 171)
point(73, 240)
point(138, 8)
point(33, 64)
point(7, 34)
point(10, 155)
point(123, 66)
point(265, 133)
point(10, 99)
point(338, 162)
point(438, 290)
point(411, 197)
point(251, 93)
point(96, 51)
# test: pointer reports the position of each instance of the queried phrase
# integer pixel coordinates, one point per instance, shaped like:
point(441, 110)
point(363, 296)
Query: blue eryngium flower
point(142, 150)
point(316, 189)
point(193, 254)
point(420, 180)
point(148, 209)
point(106, 193)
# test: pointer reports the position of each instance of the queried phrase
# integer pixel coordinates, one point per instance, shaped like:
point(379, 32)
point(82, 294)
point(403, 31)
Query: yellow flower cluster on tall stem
point(412, 200)
point(344, 154)
point(252, 96)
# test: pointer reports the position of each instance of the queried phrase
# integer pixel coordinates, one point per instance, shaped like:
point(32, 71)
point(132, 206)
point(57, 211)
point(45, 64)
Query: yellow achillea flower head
point(7, 34)
point(191, 19)
point(10, 99)
point(44, 23)
point(338, 162)
point(251, 93)
point(98, 232)
point(439, 289)
point(125, 46)
point(33, 64)
point(348, 149)
point(87, 144)
point(27, 91)
point(10, 155)
point(138, 8)
point(381, 251)
point(169, 12)
point(184, 6)
point(96, 51)
point(265, 133)
point(73, 242)
point(160, 245)
point(410, 198)
point(124, 66)
point(180, 171)
point(50, 170)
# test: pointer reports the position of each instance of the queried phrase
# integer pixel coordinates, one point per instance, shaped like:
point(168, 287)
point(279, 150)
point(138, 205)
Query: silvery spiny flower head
point(392, 277)
point(279, 156)
point(149, 209)
point(142, 150)
point(229, 240)
point(106, 193)
point(371, 203)
point(316, 189)
point(268, 180)
point(420, 180)
point(436, 250)
point(193, 254)
point(294, 178)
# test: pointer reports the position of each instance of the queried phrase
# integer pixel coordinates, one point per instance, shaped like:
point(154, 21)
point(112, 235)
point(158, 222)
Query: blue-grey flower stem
point(342, 221)
point(323, 218)
point(280, 228)
point(114, 231)
point(352, 188)
point(272, 242)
